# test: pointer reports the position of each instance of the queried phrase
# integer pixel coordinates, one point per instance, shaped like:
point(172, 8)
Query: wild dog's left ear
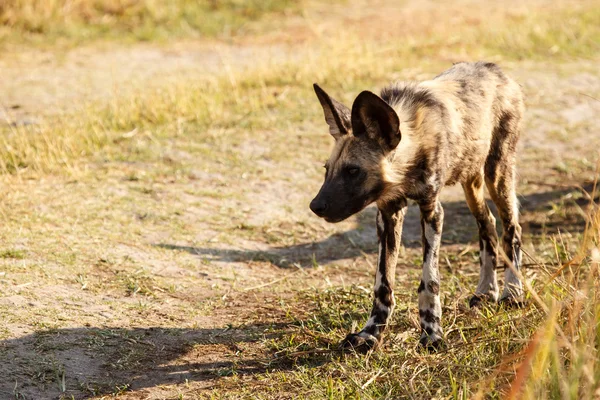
point(337, 115)
point(373, 116)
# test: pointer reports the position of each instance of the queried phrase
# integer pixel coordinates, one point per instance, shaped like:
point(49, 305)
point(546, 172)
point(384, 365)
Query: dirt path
point(36, 83)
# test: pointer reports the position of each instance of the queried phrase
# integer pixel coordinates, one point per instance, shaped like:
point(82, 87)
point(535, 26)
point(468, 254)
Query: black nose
point(318, 207)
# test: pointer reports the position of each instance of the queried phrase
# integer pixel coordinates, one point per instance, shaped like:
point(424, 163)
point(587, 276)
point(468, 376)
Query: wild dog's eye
point(352, 170)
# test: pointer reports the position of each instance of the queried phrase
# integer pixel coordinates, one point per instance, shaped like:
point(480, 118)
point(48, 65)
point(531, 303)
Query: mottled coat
point(407, 144)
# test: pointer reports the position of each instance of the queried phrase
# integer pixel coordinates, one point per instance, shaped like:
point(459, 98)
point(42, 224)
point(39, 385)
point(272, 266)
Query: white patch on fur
point(395, 169)
point(367, 336)
point(488, 280)
point(430, 270)
point(513, 287)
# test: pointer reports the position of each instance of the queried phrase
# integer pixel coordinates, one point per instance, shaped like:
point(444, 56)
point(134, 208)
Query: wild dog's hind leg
point(487, 288)
point(389, 232)
point(430, 308)
point(500, 178)
point(503, 194)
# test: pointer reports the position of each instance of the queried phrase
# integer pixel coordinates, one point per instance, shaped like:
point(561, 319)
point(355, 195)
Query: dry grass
point(561, 360)
point(82, 20)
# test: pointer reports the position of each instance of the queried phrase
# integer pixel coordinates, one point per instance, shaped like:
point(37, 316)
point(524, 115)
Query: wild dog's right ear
point(372, 116)
point(337, 115)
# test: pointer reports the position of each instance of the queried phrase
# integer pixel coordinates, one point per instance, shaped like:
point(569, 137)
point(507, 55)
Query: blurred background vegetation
point(135, 19)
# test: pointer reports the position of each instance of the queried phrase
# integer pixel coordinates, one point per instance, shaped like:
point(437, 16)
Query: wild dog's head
point(356, 170)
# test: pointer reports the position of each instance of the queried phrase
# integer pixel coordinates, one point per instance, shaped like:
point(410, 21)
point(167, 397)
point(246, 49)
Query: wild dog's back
point(486, 101)
point(451, 121)
point(481, 93)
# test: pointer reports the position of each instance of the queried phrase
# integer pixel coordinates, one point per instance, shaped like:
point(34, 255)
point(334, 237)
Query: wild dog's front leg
point(389, 232)
point(430, 308)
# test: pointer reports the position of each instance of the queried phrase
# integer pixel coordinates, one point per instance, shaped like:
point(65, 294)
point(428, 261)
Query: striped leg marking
point(430, 308)
point(487, 288)
point(502, 191)
point(389, 232)
point(513, 287)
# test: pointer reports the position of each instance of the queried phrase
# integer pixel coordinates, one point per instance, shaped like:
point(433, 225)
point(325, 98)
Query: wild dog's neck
point(399, 165)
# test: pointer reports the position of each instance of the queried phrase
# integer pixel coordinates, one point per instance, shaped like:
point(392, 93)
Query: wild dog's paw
point(476, 301)
point(479, 299)
point(511, 302)
point(431, 341)
point(360, 342)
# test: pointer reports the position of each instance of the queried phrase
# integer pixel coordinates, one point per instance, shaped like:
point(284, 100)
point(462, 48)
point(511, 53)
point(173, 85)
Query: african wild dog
point(462, 126)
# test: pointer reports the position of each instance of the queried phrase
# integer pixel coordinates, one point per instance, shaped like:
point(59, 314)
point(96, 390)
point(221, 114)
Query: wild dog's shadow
point(537, 217)
point(84, 362)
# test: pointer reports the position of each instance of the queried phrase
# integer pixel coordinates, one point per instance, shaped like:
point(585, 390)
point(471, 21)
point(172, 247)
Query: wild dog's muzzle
point(325, 204)
point(332, 204)
point(319, 206)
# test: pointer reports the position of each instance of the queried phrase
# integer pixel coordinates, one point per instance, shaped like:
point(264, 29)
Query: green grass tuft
point(15, 254)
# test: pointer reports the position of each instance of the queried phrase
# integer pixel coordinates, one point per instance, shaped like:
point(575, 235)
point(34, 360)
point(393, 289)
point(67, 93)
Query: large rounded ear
point(337, 115)
point(372, 116)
